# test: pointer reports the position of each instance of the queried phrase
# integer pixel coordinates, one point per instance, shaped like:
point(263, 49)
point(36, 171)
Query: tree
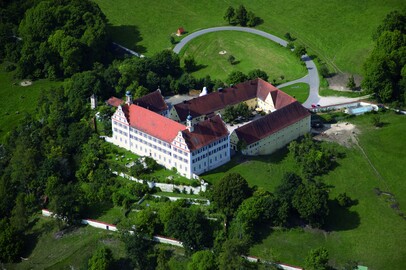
point(236, 77)
point(310, 201)
point(58, 46)
point(230, 255)
point(241, 15)
point(383, 68)
point(229, 15)
point(289, 37)
point(257, 73)
point(140, 251)
point(172, 40)
point(101, 260)
point(11, 242)
point(252, 19)
point(203, 260)
point(343, 200)
point(300, 50)
point(231, 59)
point(395, 20)
point(191, 227)
point(190, 63)
point(351, 83)
point(146, 222)
point(287, 188)
point(376, 121)
point(317, 259)
point(229, 193)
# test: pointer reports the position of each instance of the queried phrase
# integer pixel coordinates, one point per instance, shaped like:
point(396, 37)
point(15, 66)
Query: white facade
point(175, 154)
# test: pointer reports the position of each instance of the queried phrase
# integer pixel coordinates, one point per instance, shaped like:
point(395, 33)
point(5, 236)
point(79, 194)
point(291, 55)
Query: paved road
point(193, 35)
point(312, 78)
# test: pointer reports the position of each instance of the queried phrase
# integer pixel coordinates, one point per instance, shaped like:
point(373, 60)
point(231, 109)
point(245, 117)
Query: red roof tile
point(152, 123)
point(271, 123)
point(114, 102)
point(205, 132)
point(231, 96)
point(152, 101)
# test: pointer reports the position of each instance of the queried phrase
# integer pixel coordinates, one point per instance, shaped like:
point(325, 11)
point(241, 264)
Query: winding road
point(312, 78)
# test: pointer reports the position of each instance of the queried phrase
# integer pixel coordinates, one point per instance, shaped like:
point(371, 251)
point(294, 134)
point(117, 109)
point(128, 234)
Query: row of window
point(180, 158)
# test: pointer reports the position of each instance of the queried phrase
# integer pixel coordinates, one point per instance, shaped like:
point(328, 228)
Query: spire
point(129, 98)
point(189, 123)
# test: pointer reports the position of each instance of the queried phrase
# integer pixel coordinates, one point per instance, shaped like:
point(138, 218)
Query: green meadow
point(300, 91)
point(339, 32)
point(17, 100)
point(250, 51)
point(370, 232)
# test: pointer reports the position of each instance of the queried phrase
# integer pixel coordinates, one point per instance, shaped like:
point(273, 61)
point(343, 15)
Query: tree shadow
point(128, 36)
point(341, 218)
point(122, 263)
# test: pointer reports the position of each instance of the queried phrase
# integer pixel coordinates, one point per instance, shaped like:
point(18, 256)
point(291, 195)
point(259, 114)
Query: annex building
point(191, 136)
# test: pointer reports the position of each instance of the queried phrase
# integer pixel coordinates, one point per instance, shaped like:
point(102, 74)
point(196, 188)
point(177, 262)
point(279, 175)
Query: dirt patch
point(339, 81)
point(343, 133)
point(26, 83)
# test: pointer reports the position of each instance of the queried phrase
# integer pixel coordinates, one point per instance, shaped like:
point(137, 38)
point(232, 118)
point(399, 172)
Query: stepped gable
point(152, 123)
point(114, 102)
point(217, 100)
point(205, 132)
point(271, 123)
point(152, 101)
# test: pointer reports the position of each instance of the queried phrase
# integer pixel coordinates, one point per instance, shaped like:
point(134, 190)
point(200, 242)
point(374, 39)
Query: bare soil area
point(342, 133)
point(339, 81)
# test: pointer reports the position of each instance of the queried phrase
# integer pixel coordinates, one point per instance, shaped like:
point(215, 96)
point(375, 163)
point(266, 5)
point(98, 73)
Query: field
point(370, 232)
point(337, 31)
point(17, 100)
point(300, 91)
point(251, 52)
point(330, 92)
point(70, 250)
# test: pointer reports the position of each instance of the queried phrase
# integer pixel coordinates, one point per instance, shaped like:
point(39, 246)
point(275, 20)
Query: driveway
point(312, 78)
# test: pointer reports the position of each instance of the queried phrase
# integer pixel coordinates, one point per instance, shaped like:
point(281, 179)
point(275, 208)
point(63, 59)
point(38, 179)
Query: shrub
point(344, 200)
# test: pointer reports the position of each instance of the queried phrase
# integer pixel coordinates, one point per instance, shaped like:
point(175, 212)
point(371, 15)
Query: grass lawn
point(72, 250)
point(17, 100)
point(338, 32)
point(300, 91)
point(250, 51)
point(330, 92)
point(370, 232)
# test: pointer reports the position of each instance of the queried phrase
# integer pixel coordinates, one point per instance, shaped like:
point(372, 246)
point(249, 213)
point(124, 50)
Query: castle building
point(192, 138)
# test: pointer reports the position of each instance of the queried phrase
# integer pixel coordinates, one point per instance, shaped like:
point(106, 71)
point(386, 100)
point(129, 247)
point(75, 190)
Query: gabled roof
point(231, 96)
point(114, 102)
point(205, 132)
point(152, 123)
point(271, 123)
point(152, 101)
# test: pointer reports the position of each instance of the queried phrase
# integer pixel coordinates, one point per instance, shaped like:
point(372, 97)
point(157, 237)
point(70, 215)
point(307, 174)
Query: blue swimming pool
point(361, 110)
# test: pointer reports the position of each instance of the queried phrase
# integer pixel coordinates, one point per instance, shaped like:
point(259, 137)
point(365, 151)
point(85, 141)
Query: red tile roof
point(205, 132)
point(231, 96)
point(152, 101)
point(271, 123)
point(114, 102)
point(152, 123)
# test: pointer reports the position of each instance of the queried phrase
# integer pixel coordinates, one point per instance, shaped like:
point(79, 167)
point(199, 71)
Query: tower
point(189, 123)
point(128, 98)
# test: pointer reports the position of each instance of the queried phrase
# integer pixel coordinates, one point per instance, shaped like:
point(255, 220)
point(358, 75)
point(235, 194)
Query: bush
point(343, 200)
point(10, 67)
